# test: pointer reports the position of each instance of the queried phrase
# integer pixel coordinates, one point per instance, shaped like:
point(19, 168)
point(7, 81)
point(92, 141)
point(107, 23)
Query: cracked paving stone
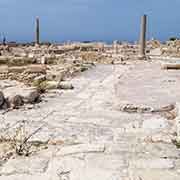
point(28, 165)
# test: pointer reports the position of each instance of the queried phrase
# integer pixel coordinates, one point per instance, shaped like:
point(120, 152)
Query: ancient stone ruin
point(90, 110)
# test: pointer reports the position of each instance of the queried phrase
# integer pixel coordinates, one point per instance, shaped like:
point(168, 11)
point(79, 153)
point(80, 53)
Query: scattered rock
point(36, 69)
point(16, 69)
point(27, 94)
point(65, 85)
point(174, 65)
point(51, 85)
point(55, 76)
point(2, 99)
point(16, 101)
point(5, 105)
point(43, 60)
point(40, 78)
point(30, 95)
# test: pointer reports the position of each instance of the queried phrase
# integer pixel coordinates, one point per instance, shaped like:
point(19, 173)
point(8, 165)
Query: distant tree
point(173, 38)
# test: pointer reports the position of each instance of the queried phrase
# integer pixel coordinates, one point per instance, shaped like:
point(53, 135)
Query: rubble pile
point(130, 50)
point(45, 67)
point(152, 44)
point(14, 97)
point(41, 68)
point(26, 63)
point(21, 73)
point(171, 48)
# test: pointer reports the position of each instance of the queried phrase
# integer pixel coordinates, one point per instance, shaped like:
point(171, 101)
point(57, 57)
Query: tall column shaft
point(115, 47)
point(37, 31)
point(143, 35)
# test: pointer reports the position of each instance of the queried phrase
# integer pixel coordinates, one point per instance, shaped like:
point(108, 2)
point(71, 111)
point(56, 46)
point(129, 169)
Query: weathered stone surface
point(6, 105)
point(160, 123)
point(153, 164)
point(15, 101)
point(174, 65)
point(24, 177)
point(3, 60)
point(36, 69)
point(89, 139)
point(20, 61)
point(177, 121)
point(156, 52)
point(28, 94)
point(8, 83)
point(43, 60)
point(81, 148)
point(150, 174)
point(29, 165)
point(40, 78)
point(16, 61)
point(65, 85)
point(3, 69)
point(165, 138)
point(93, 167)
point(2, 99)
point(52, 84)
point(55, 76)
point(16, 69)
point(5, 148)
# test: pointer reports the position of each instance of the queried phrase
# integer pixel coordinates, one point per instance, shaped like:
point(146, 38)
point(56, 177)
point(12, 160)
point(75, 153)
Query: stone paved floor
point(149, 85)
point(99, 142)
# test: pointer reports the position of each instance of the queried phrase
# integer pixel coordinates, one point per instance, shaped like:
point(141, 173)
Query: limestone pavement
point(88, 138)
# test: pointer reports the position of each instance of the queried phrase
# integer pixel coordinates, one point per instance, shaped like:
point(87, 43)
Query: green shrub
point(41, 86)
point(173, 38)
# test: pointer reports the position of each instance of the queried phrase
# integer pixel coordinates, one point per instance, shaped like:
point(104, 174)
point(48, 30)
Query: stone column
point(37, 31)
point(115, 47)
point(142, 50)
point(102, 48)
point(4, 40)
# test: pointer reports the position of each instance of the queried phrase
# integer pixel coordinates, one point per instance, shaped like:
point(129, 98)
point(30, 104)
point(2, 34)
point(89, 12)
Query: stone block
point(36, 69)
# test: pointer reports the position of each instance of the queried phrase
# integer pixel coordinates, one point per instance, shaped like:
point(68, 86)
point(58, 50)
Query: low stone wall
point(21, 73)
point(15, 61)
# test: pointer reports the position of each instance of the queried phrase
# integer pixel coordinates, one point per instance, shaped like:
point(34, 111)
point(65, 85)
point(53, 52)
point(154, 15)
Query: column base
point(142, 57)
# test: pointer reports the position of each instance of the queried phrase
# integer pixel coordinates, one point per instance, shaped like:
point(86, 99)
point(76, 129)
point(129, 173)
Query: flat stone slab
point(155, 123)
point(145, 84)
point(81, 148)
point(153, 164)
point(29, 165)
point(155, 175)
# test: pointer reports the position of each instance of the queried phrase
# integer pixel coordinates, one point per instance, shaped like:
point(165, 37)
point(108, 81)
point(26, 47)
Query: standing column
point(37, 31)
point(115, 47)
point(143, 36)
point(4, 40)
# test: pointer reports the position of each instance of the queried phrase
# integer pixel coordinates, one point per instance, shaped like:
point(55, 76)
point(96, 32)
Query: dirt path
point(100, 142)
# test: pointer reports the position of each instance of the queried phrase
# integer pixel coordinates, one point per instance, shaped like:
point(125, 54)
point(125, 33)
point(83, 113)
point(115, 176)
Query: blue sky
point(105, 20)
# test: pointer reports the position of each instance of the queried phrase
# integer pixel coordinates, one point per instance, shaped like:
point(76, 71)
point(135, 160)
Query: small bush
point(173, 38)
point(41, 86)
